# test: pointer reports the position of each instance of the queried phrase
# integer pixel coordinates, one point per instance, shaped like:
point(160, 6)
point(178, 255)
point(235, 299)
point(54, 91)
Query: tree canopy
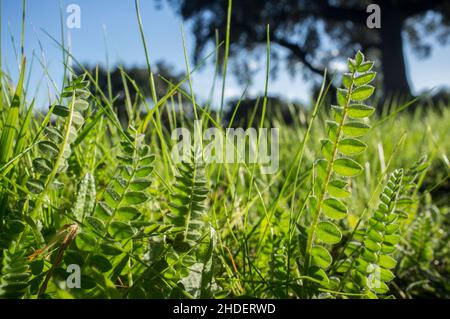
point(312, 35)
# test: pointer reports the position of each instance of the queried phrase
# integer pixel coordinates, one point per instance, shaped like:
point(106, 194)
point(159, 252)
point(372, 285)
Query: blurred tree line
point(308, 36)
point(114, 83)
point(311, 35)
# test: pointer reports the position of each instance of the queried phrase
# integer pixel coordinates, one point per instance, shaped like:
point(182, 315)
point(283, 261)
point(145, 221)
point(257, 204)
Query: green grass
point(78, 186)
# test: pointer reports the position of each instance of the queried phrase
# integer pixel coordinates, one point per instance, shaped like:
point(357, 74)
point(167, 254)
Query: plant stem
point(317, 211)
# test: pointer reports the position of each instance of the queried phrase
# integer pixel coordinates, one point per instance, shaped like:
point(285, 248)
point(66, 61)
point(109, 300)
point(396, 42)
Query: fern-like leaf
point(15, 272)
point(378, 242)
point(122, 198)
point(333, 171)
point(55, 149)
point(188, 203)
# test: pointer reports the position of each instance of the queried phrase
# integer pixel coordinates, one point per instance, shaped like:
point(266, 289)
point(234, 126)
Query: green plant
point(79, 187)
point(329, 185)
point(377, 242)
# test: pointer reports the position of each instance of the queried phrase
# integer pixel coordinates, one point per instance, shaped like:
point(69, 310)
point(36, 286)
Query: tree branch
point(298, 52)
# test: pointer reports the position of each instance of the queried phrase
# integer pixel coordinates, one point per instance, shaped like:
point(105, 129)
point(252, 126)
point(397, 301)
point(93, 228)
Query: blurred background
point(411, 47)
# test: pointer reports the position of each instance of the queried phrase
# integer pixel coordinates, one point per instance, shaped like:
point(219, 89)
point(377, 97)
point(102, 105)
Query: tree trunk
point(395, 81)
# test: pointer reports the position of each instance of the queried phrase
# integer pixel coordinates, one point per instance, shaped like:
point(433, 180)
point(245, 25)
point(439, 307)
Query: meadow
point(94, 206)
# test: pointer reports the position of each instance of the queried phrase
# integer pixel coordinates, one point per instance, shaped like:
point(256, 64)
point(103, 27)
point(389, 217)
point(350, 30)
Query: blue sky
point(163, 33)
